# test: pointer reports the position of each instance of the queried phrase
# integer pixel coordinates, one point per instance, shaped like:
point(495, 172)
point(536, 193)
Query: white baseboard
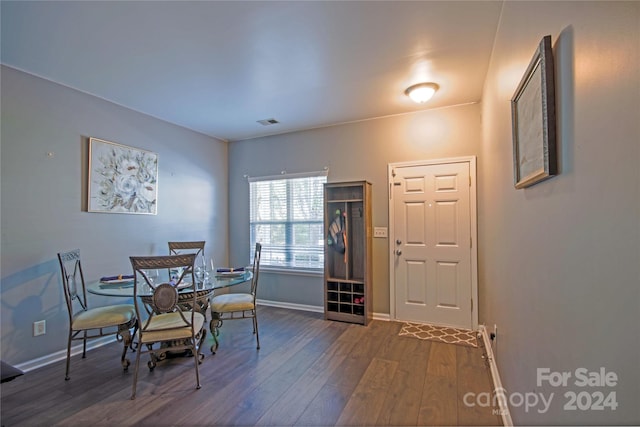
point(62, 354)
point(495, 376)
point(291, 306)
point(313, 308)
point(382, 316)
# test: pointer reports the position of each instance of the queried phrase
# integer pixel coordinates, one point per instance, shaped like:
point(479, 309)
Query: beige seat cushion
point(170, 326)
point(102, 317)
point(232, 302)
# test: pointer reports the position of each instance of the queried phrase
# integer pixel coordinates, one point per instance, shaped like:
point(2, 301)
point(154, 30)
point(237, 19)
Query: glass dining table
point(124, 288)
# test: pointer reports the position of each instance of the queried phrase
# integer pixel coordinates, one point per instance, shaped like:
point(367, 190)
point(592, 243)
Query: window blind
point(286, 217)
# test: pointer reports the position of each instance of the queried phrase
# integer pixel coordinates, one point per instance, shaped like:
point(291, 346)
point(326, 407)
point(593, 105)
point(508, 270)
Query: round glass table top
point(124, 288)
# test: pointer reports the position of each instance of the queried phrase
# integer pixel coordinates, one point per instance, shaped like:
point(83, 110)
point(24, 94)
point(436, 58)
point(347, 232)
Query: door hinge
point(469, 180)
point(472, 305)
point(471, 242)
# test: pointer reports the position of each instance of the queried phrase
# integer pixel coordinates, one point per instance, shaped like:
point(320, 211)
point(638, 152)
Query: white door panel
point(432, 243)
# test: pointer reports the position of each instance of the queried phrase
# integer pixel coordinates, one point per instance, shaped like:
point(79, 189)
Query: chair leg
point(214, 326)
point(255, 327)
point(125, 334)
point(123, 359)
point(84, 345)
point(201, 341)
point(66, 374)
point(132, 344)
point(196, 359)
point(153, 359)
point(135, 373)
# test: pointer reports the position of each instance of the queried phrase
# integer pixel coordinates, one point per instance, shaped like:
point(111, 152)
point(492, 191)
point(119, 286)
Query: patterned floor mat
point(439, 333)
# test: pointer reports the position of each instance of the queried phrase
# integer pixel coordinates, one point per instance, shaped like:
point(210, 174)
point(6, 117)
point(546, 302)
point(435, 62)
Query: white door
point(433, 260)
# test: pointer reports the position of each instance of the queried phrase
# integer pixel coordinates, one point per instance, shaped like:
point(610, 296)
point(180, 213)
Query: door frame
point(473, 214)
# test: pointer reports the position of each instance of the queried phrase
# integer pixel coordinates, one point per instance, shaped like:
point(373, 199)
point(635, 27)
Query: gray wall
point(560, 261)
point(42, 201)
point(355, 151)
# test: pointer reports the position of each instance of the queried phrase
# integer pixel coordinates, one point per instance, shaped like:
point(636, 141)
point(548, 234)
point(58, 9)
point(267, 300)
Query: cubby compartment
point(348, 269)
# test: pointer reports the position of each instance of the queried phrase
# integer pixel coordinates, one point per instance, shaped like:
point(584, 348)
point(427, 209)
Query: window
point(286, 216)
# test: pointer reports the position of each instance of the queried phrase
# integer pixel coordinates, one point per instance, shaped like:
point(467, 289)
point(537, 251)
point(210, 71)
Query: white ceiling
point(218, 67)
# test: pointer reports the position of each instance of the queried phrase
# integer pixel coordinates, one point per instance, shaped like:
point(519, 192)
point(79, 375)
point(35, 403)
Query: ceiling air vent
point(268, 122)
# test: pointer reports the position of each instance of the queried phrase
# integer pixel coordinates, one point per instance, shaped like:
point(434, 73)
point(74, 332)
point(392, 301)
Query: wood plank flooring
point(308, 372)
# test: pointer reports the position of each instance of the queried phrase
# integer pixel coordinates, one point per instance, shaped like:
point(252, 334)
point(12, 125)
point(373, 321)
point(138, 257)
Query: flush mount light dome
point(421, 92)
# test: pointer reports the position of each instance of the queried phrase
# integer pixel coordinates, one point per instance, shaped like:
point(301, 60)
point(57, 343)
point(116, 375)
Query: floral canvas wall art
point(122, 179)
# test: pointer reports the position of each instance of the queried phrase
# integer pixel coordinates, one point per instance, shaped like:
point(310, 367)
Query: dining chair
point(168, 322)
point(179, 248)
point(87, 323)
point(238, 305)
point(194, 247)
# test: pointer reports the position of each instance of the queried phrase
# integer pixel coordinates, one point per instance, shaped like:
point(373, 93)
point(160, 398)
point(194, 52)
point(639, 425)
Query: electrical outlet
point(379, 231)
point(39, 328)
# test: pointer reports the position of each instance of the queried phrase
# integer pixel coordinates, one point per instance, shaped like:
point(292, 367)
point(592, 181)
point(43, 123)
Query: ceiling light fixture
point(421, 92)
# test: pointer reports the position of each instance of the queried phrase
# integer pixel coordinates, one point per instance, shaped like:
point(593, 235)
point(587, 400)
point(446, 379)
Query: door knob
point(398, 252)
point(398, 242)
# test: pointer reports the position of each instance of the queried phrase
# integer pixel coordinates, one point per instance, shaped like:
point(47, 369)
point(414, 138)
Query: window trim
point(283, 269)
point(285, 175)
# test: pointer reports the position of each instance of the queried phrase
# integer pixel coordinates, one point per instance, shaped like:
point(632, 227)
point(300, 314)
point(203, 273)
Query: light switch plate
point(379, 231)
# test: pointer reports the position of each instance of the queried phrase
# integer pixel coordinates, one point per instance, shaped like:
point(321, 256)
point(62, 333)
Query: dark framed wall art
point(534, 120)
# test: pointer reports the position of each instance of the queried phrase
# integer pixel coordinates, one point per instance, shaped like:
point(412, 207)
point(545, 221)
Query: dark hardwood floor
point(309, 372)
